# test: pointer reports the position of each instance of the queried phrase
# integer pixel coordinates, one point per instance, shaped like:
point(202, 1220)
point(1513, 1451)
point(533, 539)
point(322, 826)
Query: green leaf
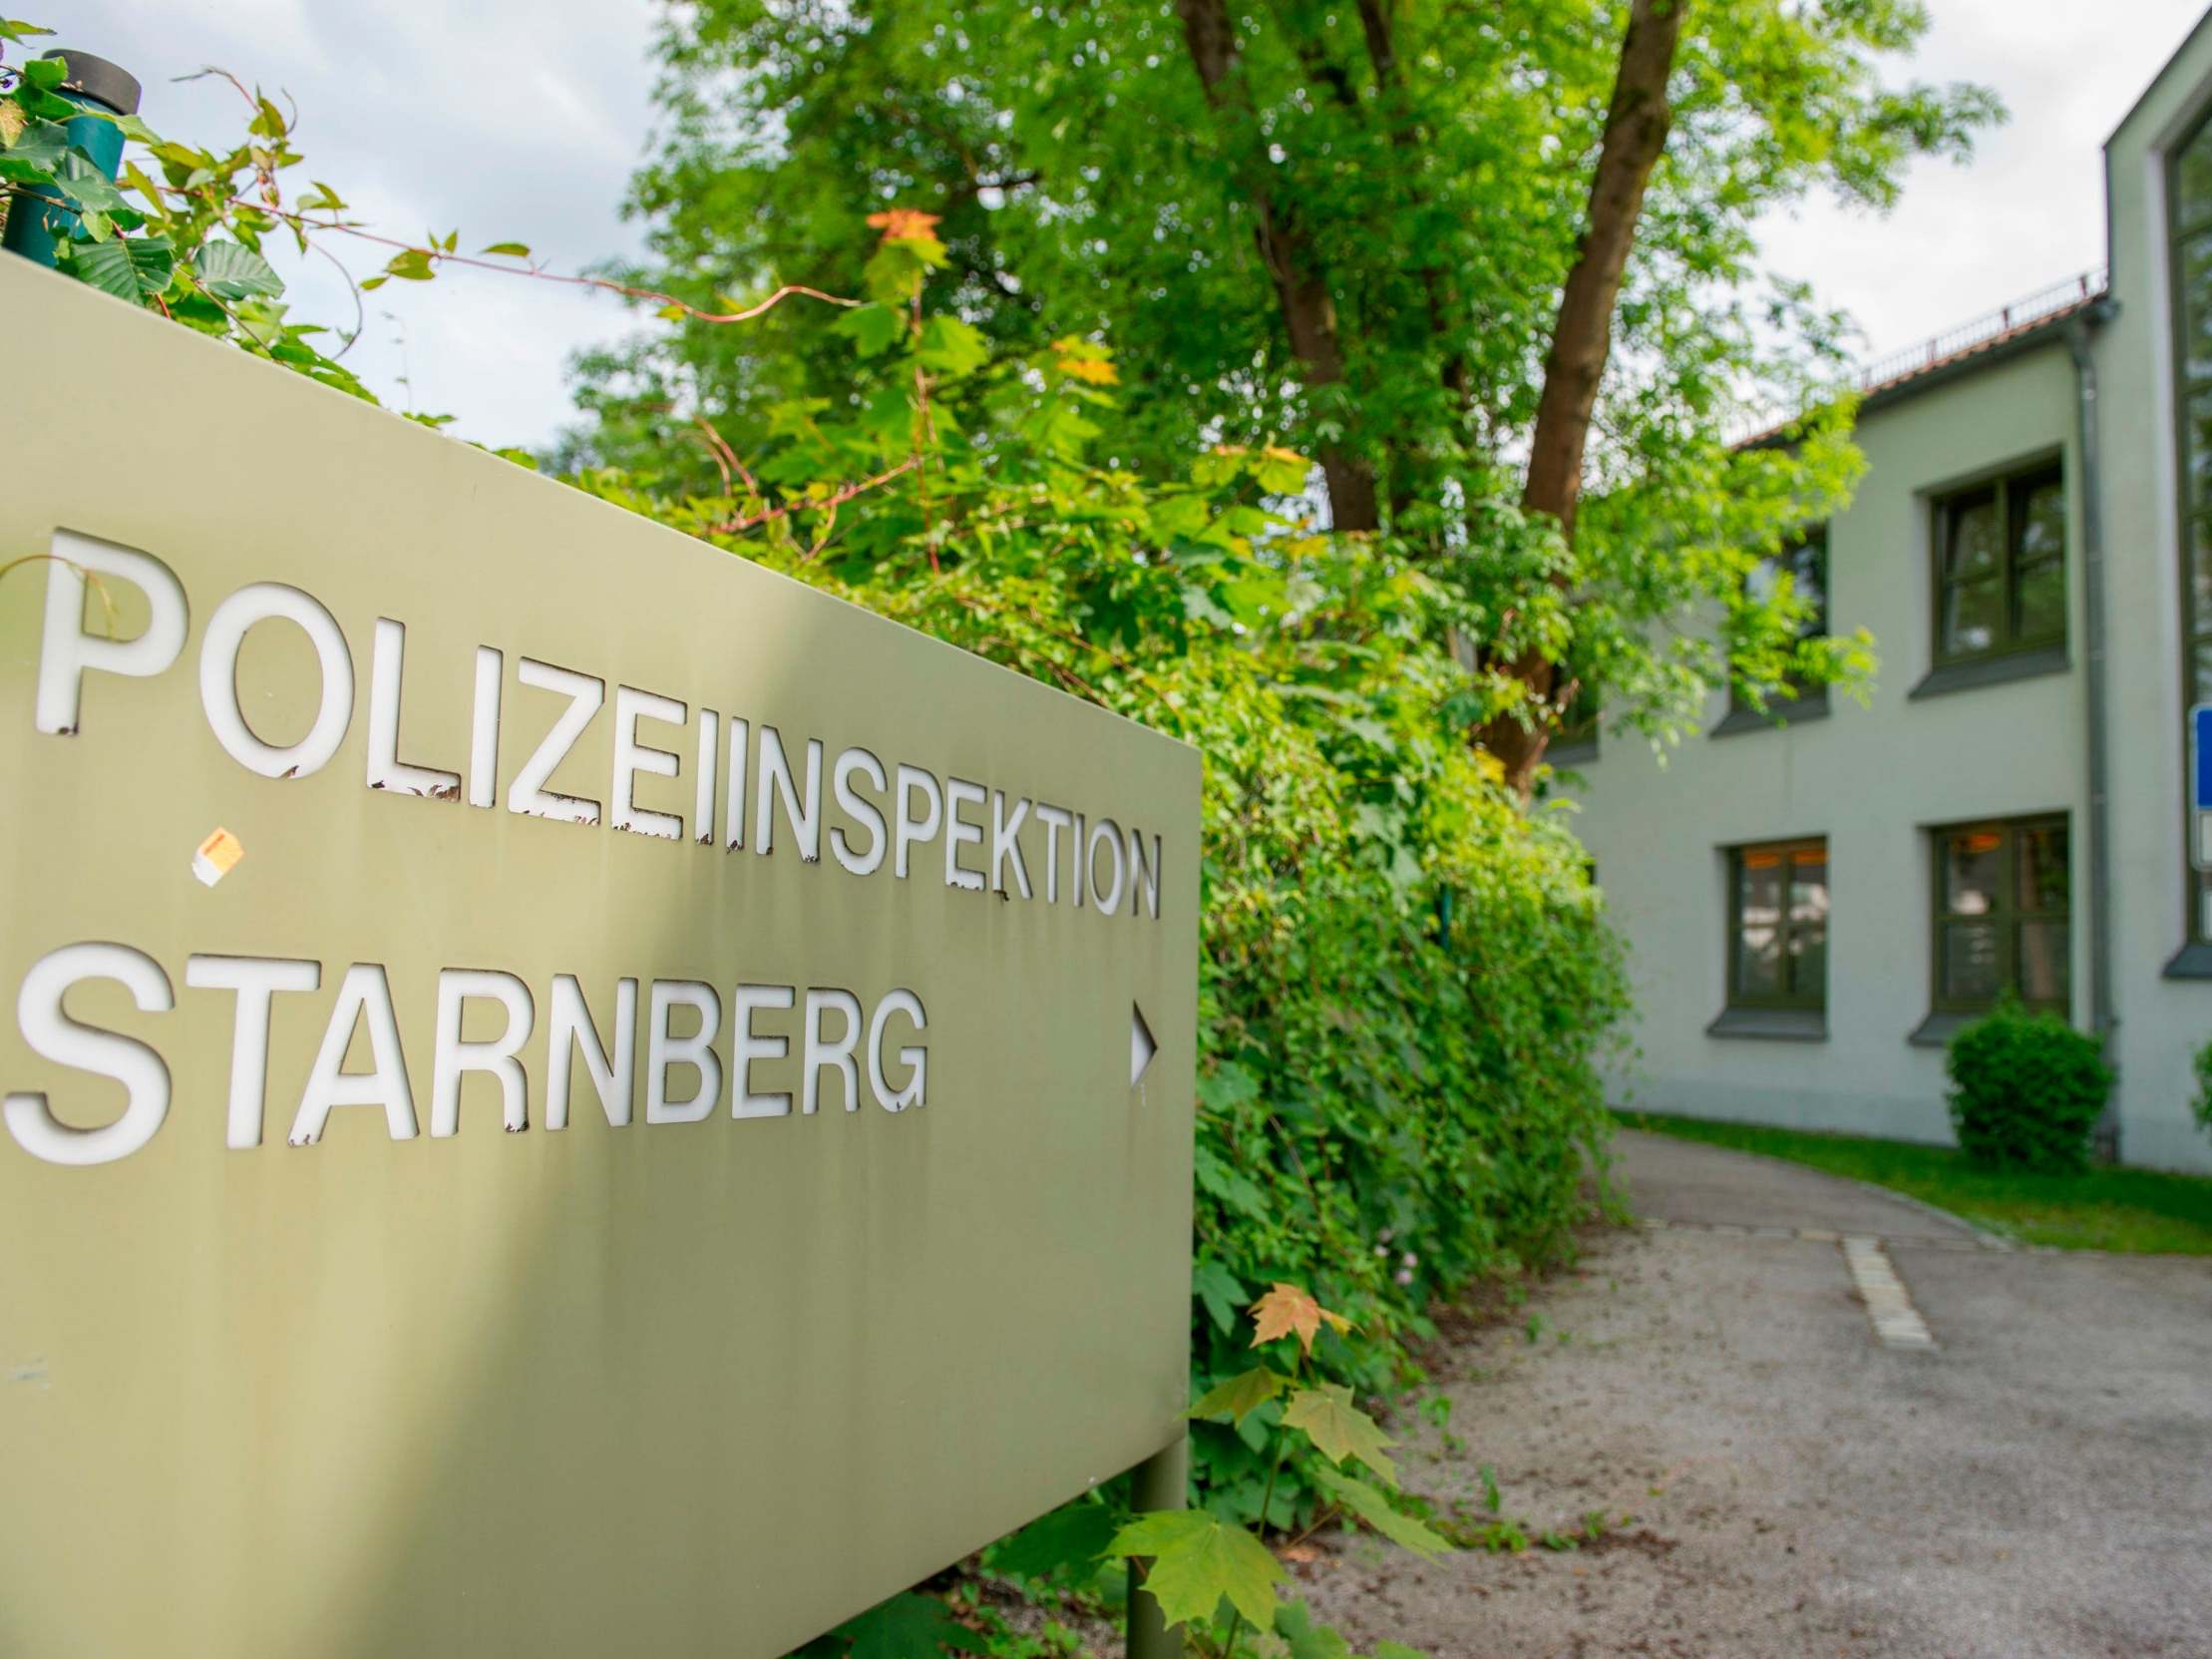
point(1074, 1537)
point(1198, 1561)
point(872, 330)
point(37, 150)
point(1240, 1395)
point(894, 268)
point(46, 73)
point(132, 269)
point(515, 250)
point(1372, 1506)
point(16, 29)
point(1341, 1429)
point(1309, 1640)
point(951, 346)
point(229, 271)
point(1220, 1291)
point(88, 186)
point(413, 265)
point(909, 1626)
point(1397, 1650)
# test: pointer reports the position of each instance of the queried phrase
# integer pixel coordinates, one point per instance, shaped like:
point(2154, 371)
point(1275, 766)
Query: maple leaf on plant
point(1339, 1429)
point(1198, 1559)
point(1285, 1311)
point(1239, 1396)
point(904, 224)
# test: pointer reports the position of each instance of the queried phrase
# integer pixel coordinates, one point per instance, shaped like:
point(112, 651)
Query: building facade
point(1816, 897)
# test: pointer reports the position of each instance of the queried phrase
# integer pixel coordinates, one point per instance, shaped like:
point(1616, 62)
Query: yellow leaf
point(1092, 370)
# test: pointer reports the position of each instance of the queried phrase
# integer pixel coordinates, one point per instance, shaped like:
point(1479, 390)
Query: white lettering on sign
point(774, 785)
point(257, 980)
point(219, 679)
point(386, 769)
point(632, 756)
point(785, 1043)
point(50, 1032)
point(766, 1021)
point(574, 1031)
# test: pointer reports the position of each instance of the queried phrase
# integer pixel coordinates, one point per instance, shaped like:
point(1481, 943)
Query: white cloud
point(2028, 210)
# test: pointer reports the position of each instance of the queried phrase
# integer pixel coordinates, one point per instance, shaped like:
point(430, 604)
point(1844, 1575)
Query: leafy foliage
point(1200, 1565)
point(181, 229)
point(2025, 1091)
point(2200, 1107)
point(1411, 183)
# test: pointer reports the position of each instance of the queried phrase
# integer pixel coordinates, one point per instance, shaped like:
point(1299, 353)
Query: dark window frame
point(2007, 916)
point(1794, 699)
point(2008, 492)
point(2196, 630)
point(1790, 998)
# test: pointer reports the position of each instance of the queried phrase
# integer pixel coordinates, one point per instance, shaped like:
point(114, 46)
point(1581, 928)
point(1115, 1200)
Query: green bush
point(2201, 1106)
point(2025, 1091)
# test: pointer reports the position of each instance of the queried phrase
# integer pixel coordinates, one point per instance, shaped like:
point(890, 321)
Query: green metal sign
point(564, 1094)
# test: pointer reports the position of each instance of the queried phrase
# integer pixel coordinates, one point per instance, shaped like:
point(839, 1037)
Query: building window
point(2191, 195)
point(1575, 742)
point(2001, 916)
point(2001, 568)
point(1805, 563)
point(1778, 927)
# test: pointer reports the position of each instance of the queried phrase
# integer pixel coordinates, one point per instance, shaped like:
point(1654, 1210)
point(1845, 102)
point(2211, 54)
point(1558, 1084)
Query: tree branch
point(1302, 295)
point(1636, 124)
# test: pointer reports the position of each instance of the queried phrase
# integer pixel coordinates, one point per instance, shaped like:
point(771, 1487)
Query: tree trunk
point(1637, 122)
point(1308, 310)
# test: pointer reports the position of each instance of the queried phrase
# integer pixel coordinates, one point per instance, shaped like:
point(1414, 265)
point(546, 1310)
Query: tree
point(1492, 265)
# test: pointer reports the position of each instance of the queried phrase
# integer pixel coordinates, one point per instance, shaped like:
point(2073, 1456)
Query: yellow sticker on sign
point(215, 856)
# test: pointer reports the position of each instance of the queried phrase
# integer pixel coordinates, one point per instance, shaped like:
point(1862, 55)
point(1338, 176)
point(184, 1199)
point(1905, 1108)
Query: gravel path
point(1777, 1482)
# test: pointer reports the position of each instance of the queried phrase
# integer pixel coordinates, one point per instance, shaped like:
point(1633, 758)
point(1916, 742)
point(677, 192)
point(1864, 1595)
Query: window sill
point(1991, 670)
point(2192, 962)
point(1779, 713)
point(1772, 1024)
point(1937, 1030)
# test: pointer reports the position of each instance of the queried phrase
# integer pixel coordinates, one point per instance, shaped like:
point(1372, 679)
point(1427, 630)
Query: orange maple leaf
point(1289, 1311)
point(900, 225)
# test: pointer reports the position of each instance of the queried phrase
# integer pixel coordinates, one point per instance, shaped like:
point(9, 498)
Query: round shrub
point(2025, 1091)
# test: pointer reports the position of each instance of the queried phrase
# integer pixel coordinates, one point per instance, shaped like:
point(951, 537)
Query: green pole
point(91, 84)
point(1160, 1481)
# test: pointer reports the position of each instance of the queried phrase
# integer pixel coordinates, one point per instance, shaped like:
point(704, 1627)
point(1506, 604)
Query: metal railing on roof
point(1762, 421)
point(1984, 330)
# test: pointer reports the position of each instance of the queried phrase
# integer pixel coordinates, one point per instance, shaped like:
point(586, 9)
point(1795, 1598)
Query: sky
point(521, 120)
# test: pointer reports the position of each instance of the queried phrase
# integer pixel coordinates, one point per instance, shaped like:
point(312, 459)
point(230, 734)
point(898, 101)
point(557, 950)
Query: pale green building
point(1815, 903)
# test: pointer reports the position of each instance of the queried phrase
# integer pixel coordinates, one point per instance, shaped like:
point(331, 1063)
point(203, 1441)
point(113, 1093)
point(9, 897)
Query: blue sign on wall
point(2200, 757)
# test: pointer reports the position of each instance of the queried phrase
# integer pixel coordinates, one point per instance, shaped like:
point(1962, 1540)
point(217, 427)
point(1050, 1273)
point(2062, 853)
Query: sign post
point(563, 1094)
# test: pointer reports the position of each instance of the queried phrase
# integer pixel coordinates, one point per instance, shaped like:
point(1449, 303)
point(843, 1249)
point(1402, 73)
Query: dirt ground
point(1772, 1480)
